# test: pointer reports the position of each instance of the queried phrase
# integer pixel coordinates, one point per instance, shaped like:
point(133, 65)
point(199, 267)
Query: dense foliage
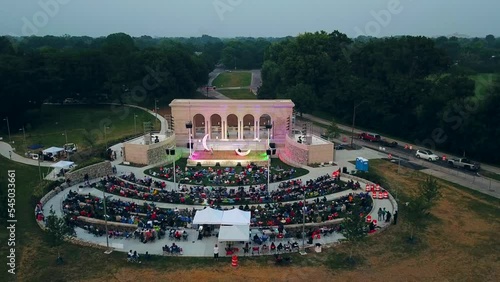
point(417, 88)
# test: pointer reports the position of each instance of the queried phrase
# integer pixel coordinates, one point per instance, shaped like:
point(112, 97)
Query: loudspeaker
point(268, 152)
point(187, 145)
point(170, 152)
point(272, 145)
point(269, 126)
point(189, 125)
point(273, 151)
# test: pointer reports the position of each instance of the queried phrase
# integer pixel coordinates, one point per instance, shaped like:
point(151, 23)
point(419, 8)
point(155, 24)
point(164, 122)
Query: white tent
point(52, 150)
point(234, 233)
point(236, 216)
point(208, 216)
point(63, 164)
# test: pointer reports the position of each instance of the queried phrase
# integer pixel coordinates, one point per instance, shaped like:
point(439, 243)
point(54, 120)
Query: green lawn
point(82, 123)
point(205, 181)
point(483, 82)
point(238, 94)
point(233, 79)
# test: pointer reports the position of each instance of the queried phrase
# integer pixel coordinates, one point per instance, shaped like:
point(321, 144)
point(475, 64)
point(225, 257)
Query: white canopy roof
point(63, 164)
point(236, 216)
point(53, 150)
point(213, 216)
point(208, 216)
point(234, 233)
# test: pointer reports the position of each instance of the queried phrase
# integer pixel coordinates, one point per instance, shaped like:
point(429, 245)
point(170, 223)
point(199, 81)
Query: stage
point(227, 158)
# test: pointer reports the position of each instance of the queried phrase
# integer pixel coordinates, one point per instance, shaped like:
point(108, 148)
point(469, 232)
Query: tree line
point(115, 68)
point(417, 88)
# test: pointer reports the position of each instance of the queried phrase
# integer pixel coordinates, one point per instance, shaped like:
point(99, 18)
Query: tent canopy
point(52, 150)
point(235, 233)
point(208, 216)
point(236, 216)
point(213, 216)
point(63, 164)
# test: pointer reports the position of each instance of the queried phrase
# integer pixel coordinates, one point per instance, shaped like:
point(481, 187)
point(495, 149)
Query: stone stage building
point(217, 128)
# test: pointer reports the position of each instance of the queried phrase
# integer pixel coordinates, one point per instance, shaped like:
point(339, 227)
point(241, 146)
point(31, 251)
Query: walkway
point(191, 247)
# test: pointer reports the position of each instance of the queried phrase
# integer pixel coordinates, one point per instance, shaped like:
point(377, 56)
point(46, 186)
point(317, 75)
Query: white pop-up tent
point(52, 150)
point(208, 216)
point(234, 233)
point(236, 217)
point(63, 164)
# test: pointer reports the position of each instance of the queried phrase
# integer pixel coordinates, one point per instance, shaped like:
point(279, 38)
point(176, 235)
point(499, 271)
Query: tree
point(354, 230)
point(57, 228)
point(333, 131)
point(418, 209)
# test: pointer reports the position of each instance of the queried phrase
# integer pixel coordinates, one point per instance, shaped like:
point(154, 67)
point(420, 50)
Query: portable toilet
point(361, 164)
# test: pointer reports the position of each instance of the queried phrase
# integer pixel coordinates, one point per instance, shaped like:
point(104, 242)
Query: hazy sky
point(229, 18)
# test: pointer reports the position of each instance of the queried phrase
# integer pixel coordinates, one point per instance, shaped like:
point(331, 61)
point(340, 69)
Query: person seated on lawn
point(256, 239)
point(273, 246)
point(280, 247)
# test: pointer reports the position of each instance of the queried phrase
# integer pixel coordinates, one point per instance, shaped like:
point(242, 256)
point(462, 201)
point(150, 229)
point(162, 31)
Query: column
point(255, 129)
point(208, 124)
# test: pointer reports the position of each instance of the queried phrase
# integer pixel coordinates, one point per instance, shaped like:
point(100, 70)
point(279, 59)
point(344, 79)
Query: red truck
point(372, 137)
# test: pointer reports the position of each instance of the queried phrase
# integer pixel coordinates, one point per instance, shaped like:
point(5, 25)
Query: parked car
point(340, 146)
point(372, 137)
point(388, 143)
point(426, 155)
point(464, 163)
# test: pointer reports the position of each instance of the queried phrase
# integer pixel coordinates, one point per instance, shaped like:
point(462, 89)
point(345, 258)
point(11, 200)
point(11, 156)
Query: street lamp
point(24, 135)
point(353, 120)
point(135, 124)
point(156, 111)
point(65, 136)
point(8, 126)
point(105, 216)
point(304, 224)
point(105, 136)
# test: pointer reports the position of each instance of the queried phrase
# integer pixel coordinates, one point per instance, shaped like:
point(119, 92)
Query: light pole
point(304, 224)
point(24, 135)
point(8, 127)
point(156, 112)
point(135, 124)
point(106, 137)
point(66, 136)
point(353, 120)
point(105, 217)
point(189, 126)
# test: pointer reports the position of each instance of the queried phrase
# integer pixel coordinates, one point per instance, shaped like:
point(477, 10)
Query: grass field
point(238, 94)
point(484, 81)
point(49, 125)
point(233, 79)
point(461, 244)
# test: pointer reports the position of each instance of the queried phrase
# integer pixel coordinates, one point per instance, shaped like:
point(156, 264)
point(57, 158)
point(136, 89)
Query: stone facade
point(148, 154)
point(227, 120)
point(94, 171)
point(307, 154)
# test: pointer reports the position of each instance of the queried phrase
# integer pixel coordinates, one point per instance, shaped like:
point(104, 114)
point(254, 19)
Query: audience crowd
point(249, 175)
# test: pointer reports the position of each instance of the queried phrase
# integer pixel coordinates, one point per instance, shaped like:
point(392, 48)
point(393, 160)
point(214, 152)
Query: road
point(398, 150)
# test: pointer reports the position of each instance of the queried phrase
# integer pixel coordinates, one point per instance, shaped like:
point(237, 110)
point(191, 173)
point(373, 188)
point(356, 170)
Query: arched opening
point(216, 126)
point(263, 120)
point(248, 127)
point(232, 126)
point(199, 126)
